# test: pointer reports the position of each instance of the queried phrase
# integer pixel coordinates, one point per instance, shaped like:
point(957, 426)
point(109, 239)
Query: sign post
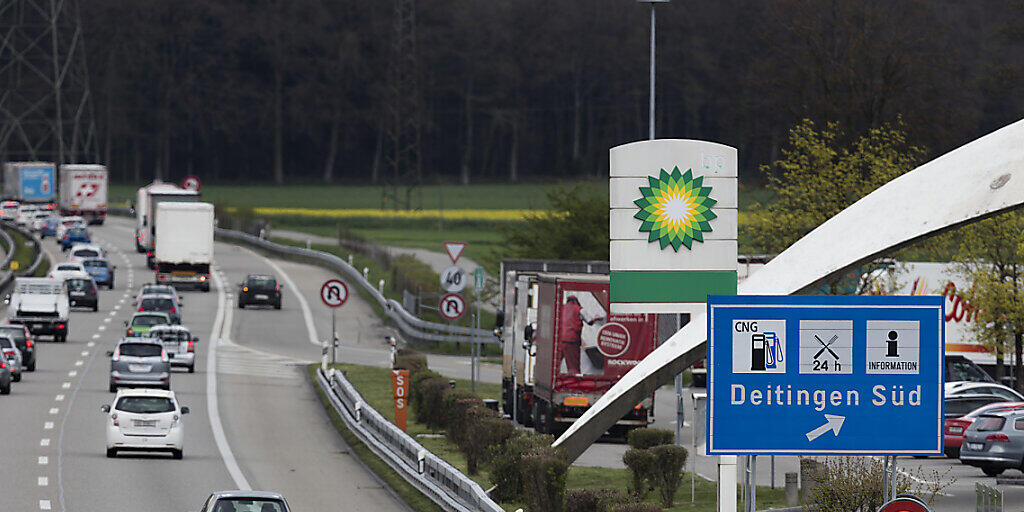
point(400, 389)
point(334, 293)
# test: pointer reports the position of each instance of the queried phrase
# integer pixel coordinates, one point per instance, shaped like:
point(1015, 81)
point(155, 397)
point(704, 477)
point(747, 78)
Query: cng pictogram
point(334, 293)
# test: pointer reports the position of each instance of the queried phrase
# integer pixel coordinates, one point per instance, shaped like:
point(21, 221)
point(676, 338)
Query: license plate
point(183, 273)
point(139, 368)
point(261, 297)
point(144, 423)
point(77, 294)
point(976, 446)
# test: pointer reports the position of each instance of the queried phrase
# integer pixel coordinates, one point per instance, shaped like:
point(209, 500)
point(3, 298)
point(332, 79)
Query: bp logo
point(675, 209)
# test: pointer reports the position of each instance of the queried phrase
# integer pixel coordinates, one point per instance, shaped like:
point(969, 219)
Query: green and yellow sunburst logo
point(675, 209)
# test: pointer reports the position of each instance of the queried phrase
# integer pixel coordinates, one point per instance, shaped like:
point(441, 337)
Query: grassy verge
point(409, 494)
point(24, 256)
point(375, 386)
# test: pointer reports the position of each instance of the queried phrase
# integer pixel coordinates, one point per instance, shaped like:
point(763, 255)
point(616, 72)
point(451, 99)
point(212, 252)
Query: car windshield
point(248, 505)
point(86, 253)
point(148, 320)
point(77, 231)
point(145, 404)
point(140, 350)
point(95, 264)
point(6, 342)
point(262, 282)
point(80, 285)
point(989, 423)
point(965, 370)
point(157, 304)
point(15, 333)
point(68, 267)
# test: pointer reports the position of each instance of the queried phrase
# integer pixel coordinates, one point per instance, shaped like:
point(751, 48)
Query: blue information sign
point(825, 375)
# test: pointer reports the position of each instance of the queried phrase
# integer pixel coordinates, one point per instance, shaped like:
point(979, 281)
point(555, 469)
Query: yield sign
point(454, 250)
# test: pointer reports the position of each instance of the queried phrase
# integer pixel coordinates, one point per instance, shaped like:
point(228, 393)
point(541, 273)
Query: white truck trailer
point(184, 244)
point(83, 191)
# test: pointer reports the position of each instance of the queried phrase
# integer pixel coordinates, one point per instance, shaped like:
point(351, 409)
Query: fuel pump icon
point(766, 351)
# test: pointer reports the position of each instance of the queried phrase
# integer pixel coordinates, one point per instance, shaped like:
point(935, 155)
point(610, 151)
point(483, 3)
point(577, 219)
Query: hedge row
point(654, 462)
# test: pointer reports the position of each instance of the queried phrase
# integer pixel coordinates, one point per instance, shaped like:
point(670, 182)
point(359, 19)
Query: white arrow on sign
point(832, 422)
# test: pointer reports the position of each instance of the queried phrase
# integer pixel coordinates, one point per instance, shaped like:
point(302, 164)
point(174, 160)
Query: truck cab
point(40, 304)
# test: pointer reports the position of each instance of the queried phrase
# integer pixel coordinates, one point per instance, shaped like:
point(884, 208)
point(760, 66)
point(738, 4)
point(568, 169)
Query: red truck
point(582, 350)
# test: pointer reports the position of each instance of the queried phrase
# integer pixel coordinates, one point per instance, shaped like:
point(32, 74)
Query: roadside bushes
point(543, 473)
point(654, 462)
point(593, 500)
point(507, 463)
point(410, 360)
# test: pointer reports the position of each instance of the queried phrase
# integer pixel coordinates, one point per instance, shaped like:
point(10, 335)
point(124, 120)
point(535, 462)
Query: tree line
point(305, 90)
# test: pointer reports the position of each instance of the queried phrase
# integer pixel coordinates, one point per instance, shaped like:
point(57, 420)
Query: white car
point(82, 251)
point(69, 222)
point(10, 210)
point(27, 214)
point(40, 219)
point(68, 270)
point(981, 388)
point(145, 420)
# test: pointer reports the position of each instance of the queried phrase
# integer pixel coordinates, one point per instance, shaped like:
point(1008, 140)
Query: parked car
point(74, 236)
point(959, 368)
point(259, 289)
point(162, 304)
point(139, 362)
point(179, 344)
point(982, 388)
point(83, 293)
point(141, 323)
point(12, 355)
point(959, 405)
point(256, 501)
point(23, 340)
point(995, 442)
point(100, 270)
point(82, 251)
point(5, 378)
point(954, 428)
point(146, 420)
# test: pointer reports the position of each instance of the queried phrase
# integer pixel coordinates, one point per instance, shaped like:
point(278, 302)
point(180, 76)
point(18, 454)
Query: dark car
point(259, 289)
point(959, 405)
point(161, 304)
point(101, 271)
point(960, 368)
point(5, 378)
point(82, 294)
point(74, 236)
point(21, 337)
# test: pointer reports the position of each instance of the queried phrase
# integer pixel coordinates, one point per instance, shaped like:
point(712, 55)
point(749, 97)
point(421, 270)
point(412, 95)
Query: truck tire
point(96, 307)
point(111, 453)
point(5, 390)
point(241, 305)
point(16, 377)
point(32, 366)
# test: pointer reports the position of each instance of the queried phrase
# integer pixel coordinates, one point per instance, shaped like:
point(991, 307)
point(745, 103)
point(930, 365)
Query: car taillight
point(3, 365)
point(130, 332)
point(113, 417)
point(998, 438)
point(191, 347)
point(202, 278)
point(172, 310)
point(8, 352)
point(28, 343)
point(141, 309)
point(117, 354)
point(245, 288)
point(277, 287)
point(163, 355)
point(60, 326)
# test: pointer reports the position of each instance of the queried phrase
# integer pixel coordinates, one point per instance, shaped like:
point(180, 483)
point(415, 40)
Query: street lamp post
point(651, 113)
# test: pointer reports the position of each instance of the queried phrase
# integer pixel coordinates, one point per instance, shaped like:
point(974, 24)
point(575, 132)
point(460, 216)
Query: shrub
point(506, 463)
point(457, 404)
point(543, 471)
point(641, 468)
point(415, 363)
point(415, 382)
point(636, 507)
point(668, 461)
point(643, 438)
point(592, 500)
point(484, 431)
point(854, 484)
point(432, 393)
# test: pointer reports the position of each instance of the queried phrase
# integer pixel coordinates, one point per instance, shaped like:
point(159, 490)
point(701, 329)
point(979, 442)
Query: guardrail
point(443, 484)
point(7, 276)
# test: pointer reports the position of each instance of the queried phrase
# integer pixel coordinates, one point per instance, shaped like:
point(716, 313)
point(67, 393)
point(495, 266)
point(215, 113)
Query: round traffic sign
point(905, 504)
point(452, 306)
point(453, 279)
point(191, 182)
point(334, 293)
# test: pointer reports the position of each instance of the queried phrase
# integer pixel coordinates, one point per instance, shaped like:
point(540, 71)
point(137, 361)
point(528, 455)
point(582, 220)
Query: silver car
point(12, 355)
point(179, 344)
point(139, 362)
point(247, 501)
point(995, 442)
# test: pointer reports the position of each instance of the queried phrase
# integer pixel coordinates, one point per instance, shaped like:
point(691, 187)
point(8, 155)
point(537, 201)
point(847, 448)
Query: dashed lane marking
point(66, 385)
point(43, 481)
point(54, 410)
point(72, 373)
point(91, 343)
point(48, 425)
point(44, 441)
point(59, 398)
point(43, 460)
point(44, 504)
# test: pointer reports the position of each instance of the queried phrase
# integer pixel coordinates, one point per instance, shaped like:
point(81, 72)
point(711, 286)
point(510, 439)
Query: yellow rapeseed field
point(478, 214)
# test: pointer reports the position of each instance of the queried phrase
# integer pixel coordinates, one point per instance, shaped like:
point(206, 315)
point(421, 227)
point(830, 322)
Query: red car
point(955, 427)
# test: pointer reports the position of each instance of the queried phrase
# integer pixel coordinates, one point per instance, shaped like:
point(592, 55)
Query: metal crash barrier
point(443, 484)
point(989, 499)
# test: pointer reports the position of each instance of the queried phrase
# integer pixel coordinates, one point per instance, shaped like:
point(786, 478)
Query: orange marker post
point(400, 387)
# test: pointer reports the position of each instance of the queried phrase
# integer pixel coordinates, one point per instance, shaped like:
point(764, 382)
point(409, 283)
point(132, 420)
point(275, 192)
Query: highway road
point(255, 421)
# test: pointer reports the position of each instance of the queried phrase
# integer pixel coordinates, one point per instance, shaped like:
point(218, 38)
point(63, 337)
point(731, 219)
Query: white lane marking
point(44, 504)
point(66, 385)
point(44, 441)
point(59, 398)
point(43, 460)
point(92, 343)
point(54, 410)
point(95, 336)
point(306, 314)
point(101, 328)
point(79, 362)
point(116, 307)
point(112, 313)
point(43, 481)
point(85, 353)
point(48, 425)
point(212, 410)
point(72, 373)
point(106, 320)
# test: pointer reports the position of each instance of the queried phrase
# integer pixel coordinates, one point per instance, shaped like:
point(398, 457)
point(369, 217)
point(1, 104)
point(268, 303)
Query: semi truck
point(145, 212)
point(184, 244)
point(83, 191)
point(40, 304)
point(580, 350)
point(30, 182)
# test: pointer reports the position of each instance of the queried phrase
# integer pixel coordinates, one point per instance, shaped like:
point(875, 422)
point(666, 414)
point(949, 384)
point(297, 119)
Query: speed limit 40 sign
point(453, 279)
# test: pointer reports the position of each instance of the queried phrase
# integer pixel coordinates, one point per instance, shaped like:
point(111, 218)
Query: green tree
point(821, 174)
point(991, 256)
point(575, 227)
